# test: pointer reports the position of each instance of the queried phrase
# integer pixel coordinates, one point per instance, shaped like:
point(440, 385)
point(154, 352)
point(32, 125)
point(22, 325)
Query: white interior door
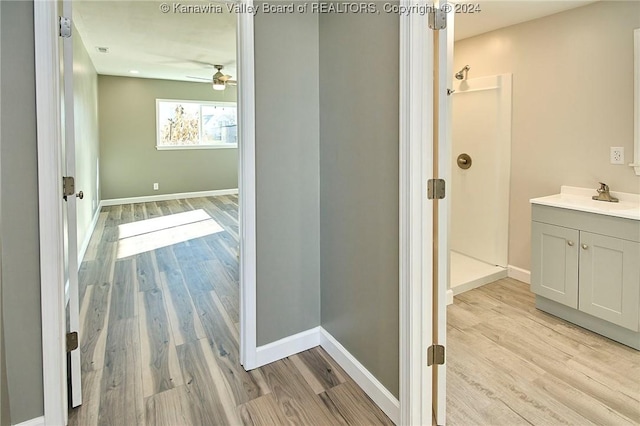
point(443, 171)
point(69, 215)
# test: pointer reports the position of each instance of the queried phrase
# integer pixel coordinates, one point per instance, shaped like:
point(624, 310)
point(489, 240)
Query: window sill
point(190, 147)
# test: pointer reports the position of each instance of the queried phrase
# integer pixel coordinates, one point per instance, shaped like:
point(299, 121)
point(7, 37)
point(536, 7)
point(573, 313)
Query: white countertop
point(573, 198)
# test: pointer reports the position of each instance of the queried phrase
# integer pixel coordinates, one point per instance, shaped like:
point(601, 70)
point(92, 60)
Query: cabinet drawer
point(554, 263)
point(627, 229)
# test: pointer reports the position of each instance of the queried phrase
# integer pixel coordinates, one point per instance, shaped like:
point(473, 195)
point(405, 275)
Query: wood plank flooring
point(160, 325)
point(511, 364)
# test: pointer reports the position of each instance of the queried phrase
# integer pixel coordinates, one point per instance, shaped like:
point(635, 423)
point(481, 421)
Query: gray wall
point(19, 192)
point(129, 160)
point(85, 99)
point(4, 395)
point(572, 100)
point(359, 188)
point(286, 45)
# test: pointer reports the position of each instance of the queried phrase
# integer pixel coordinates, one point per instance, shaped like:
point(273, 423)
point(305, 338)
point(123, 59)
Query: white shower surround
point(480, 194)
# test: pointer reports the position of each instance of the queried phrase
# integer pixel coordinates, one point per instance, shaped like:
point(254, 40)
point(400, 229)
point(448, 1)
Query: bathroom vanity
point(585, 261)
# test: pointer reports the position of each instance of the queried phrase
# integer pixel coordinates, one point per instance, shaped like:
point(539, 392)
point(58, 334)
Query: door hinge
point(68, 186)
point(435, 355)
point(435, 189)
point(65, 27)
point(437, 18)
point(72, 341)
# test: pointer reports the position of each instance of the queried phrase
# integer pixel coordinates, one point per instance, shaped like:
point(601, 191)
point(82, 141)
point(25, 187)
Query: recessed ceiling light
point(134, 71)
point(102, 49)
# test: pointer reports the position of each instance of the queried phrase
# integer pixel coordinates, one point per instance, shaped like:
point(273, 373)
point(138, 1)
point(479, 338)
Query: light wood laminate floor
point(160, 323)
point(511, 364)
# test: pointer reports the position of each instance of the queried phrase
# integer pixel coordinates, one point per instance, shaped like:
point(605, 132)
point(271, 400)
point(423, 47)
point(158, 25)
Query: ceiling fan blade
point(232, 82)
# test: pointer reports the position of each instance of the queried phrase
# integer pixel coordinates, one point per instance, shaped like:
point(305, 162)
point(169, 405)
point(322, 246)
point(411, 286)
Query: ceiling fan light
point(218, 85)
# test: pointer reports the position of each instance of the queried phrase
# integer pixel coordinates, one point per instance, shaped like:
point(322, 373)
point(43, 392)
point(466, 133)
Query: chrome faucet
point(603, 194)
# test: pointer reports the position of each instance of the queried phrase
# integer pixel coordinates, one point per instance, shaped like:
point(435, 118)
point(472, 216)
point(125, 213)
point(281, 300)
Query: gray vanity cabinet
point(585, 268)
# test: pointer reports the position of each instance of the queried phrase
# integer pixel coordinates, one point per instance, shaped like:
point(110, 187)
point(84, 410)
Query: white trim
point(87, 238)
point(449, 297)
point(636, 102)
point(38, 421)
point(416, 218)
point(519, 274)
point(191, 147)
point(54, 361)
point(288, 346)
point(165, 197)
point(444, 149)
point(247, 184)
point(363, 377)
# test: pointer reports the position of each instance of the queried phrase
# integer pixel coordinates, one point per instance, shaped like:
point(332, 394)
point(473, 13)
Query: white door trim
point(416, 217)
point(247, 186)
point(445, 108)
point(50, 204)
point(54, 361)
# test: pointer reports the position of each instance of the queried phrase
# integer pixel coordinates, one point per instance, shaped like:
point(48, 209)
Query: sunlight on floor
point(151, 234)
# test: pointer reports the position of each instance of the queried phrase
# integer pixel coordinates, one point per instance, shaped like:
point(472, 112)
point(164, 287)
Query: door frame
point(50, 201)
point(415, 212)
point(416, 217)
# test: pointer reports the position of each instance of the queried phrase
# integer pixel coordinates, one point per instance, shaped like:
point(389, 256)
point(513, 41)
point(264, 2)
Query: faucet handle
point(603, 187)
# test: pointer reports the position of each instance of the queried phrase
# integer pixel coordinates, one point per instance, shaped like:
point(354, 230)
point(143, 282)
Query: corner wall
point(287, 174)
point(572, 100)
point(130, 163)
point(359, 188)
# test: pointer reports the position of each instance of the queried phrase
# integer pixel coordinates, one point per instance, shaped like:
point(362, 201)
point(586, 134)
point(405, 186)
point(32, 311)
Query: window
point(195, 124)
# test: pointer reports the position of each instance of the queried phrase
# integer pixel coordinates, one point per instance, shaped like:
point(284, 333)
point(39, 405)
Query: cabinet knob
point(570, 243)
point(584, 246)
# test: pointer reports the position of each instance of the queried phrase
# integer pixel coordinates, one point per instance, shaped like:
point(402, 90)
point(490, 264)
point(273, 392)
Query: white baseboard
point(369, 384)
point(449, 297)
point(519, 274)
point(318, 336)
point(166, 197)
point(288, 346)
point(38, 421)
point(87, 238)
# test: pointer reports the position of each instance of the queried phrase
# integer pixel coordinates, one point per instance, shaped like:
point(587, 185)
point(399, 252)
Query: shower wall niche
point(481, 129)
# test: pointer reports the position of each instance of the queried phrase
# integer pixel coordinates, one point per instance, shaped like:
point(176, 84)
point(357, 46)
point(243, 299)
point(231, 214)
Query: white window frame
point(161, 147)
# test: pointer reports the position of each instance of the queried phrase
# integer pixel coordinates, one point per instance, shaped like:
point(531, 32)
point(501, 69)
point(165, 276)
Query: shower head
point(462, 74)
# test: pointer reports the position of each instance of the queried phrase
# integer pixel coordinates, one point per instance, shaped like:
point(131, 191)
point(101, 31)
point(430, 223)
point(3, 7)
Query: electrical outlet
point(617, 155)
point(156, 186)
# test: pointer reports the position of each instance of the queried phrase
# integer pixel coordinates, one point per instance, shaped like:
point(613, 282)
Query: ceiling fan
point(219, 80)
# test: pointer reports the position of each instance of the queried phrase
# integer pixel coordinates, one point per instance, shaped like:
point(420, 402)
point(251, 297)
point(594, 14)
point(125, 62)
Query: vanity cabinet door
point(554, 263)
point(610, 279)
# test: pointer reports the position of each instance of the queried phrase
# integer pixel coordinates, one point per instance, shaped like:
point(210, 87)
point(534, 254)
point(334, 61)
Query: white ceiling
point(496, 14)
point(168, 46)
point(173, 45)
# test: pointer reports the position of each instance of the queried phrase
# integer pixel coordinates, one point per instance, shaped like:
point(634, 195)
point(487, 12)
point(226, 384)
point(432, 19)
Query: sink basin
point(580, 199)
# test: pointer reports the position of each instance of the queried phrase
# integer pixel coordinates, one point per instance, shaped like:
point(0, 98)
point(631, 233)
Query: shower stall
point(480, 176)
